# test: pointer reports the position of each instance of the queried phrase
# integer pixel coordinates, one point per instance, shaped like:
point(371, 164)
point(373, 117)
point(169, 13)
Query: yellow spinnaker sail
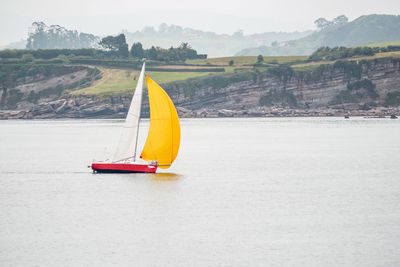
point(163, 140)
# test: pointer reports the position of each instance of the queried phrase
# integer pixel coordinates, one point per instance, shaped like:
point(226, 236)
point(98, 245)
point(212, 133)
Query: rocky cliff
point(359, 88)
point(24, 87)
point(353, 88)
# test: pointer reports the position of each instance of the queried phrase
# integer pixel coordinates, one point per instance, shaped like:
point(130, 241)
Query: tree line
point(42, 36)
point(47, 42)
point(118, 46)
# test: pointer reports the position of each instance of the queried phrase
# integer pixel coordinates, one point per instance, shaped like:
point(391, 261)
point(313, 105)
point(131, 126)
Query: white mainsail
point(127, 145)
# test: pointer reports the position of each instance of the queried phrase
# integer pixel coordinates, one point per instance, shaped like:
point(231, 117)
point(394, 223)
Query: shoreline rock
point(62, 109)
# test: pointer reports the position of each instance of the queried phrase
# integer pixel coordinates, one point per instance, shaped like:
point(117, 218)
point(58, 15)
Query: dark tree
point(108, 43)
point(151, 53)
point(260, 59)
point(115, 43)
point(231, 62)
point(124, 50)
point(137, 50)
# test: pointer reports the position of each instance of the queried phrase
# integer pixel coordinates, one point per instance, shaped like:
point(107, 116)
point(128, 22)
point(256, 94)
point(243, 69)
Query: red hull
point(123, 167)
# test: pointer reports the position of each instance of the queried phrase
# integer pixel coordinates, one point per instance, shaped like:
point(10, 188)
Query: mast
point(127, 145)
point(140, 109)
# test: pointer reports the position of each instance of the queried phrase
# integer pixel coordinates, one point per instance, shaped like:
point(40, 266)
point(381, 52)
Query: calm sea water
point(243, 192)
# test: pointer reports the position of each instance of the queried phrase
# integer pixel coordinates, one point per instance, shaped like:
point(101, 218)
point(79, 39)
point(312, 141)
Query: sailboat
point(163, 139)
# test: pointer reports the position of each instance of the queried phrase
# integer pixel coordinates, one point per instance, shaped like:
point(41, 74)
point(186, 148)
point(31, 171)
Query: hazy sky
point(226, 16)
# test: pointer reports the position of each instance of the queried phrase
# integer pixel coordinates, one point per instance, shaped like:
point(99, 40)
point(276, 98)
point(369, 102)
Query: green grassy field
point(119, 81)
point(245, 60)
point(310, 65)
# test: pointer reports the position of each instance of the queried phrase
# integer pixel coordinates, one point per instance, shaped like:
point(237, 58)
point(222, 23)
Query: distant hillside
point(361, 31)
point(210, 43)
point(213, 44)
point(365, 30)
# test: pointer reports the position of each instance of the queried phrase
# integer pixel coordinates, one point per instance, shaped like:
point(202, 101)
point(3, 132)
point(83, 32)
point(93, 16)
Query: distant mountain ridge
point(211, 43)
point(364, 30)
point(165, 36)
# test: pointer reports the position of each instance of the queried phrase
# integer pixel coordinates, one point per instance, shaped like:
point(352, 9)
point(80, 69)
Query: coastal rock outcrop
point(357, 89)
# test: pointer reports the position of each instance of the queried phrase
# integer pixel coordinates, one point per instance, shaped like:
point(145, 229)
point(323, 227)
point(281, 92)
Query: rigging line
point(122, 159)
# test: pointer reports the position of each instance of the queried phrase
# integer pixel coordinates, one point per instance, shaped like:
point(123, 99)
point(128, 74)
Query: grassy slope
point(119, 81)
